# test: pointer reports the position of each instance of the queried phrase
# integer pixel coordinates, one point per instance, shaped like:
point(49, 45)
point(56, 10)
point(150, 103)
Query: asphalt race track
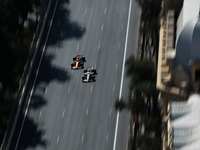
point(64, 113)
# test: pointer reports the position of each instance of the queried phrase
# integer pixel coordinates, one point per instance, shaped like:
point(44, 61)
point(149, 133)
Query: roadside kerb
point(24, 81)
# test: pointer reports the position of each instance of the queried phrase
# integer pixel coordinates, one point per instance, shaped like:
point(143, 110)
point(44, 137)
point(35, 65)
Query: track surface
point(64, 113)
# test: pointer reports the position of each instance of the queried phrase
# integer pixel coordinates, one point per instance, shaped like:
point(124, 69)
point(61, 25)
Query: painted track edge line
point(36, 76)
point(122, 76)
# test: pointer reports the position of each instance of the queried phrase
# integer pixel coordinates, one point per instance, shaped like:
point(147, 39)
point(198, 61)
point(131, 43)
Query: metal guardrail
point(26, 76)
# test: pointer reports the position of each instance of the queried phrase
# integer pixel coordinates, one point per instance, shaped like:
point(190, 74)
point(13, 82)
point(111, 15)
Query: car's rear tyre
point(94, 71)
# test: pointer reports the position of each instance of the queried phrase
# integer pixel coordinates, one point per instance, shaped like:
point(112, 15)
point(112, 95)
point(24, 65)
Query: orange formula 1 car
point(78, 63)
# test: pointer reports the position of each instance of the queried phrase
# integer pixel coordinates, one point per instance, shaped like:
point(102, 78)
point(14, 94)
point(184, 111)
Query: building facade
point(178, 74)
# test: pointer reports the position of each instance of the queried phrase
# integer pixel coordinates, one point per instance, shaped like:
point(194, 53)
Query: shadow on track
point(32, 135)
point(63, 28)
point(49, 72)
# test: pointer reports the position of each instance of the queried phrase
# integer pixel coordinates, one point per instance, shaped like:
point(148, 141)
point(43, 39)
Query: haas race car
point(78, 63)
point(89, 75)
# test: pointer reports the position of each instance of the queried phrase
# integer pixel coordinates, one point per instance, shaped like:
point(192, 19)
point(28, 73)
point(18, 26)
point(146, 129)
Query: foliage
point(14, 50)
point(150, 123)
point(146, 142)
point(141, 71)
point(120, 104)
point(149, 27)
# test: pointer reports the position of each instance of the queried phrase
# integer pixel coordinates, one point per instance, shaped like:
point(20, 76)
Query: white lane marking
point(86, 112)
point(99, 46)
point(116, 66)
point(102, 27)
point(77, 47)
point(68, 89)
point(63, 114)
point(82, 138)
point(119, 45)
point(85, 11)
point(110, 111)
point(57, 47)
point(106, 137)
point(20, 132)
point(58, 138)
point(46, 90)
point(124, 9)
point(95, 66)
point(122, 76)
point(113, 87)
point(105, 10)
point(91, 88)
point(40, 114)
point(122, 26)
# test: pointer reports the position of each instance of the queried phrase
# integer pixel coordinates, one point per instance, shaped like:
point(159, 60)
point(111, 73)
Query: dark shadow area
point(173, 116)
point(48, 72)
point(32, 136)
point(37, 102)
point(63, 28)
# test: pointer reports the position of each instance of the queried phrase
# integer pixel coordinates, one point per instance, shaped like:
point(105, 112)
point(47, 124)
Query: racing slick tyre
point(95, 72)
point(83, 58)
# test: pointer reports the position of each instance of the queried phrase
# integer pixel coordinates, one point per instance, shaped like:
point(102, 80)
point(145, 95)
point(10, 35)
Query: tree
point(140, 70)
point(147, 142)
point(120, 104)
point(149, 26)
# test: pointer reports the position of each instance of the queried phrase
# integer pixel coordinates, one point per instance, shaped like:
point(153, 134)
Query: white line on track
point(46, 90)
point(86, 112)
point(110, 111)
point(20, 132)
point(85, 11)
point(91, 88)
point(63, 114)
point(56, 47)
point(105, 10)
point(124, 9)
point(119, 45)
point(95, 66)
point(68, 89)
point(40, 114)
point(122, 76)
point(58, 138)
point(99, 46)
point(106, 137)
point(113, 87)
point(116, 65)
point(77, 47)
point(82, 138)
point(102, 27)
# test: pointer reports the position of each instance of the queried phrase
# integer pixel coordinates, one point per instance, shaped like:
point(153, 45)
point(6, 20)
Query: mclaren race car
point(78, 63)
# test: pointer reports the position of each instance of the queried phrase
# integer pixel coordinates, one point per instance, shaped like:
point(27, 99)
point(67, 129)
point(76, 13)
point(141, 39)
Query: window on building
point(197, 75)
